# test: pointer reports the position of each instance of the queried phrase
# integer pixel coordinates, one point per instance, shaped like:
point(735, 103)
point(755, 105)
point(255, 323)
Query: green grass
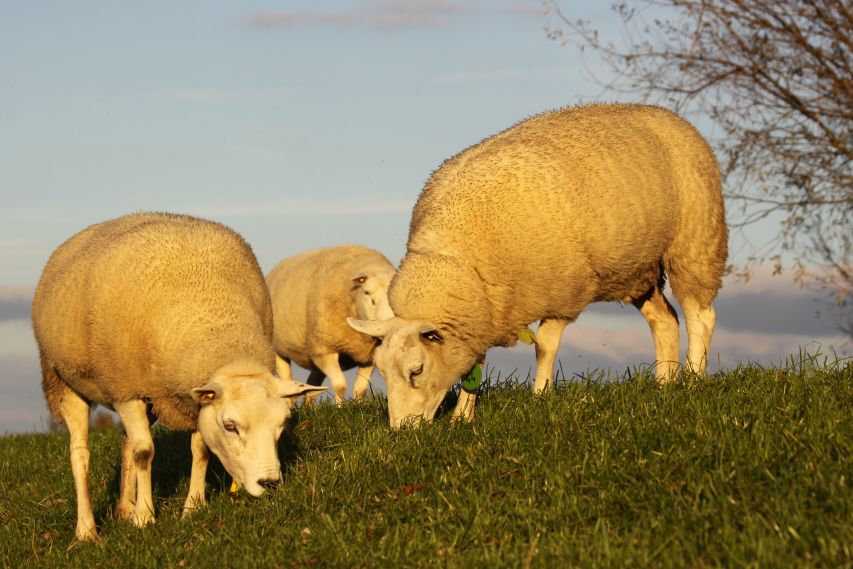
point(751, 468)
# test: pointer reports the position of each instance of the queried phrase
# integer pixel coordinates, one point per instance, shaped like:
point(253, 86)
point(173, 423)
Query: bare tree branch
point(776, 76)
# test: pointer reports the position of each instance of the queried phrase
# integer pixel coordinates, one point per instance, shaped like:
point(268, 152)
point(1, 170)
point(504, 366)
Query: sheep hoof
point(142, 520)
point(124, 512)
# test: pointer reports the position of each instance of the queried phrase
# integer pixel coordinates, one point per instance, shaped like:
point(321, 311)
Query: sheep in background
point(580, 205)
point(313, 294)
point(166, 316)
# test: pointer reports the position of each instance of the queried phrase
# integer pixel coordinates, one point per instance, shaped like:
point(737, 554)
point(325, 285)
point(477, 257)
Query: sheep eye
point(230, 426)
point(432, 336)
point(359, 280)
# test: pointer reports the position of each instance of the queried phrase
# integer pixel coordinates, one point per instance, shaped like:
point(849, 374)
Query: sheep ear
point(207, 393)
point(375, 328)
point(289, 388)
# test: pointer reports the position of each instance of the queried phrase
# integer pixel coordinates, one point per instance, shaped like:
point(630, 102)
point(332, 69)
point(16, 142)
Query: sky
point(299, 124)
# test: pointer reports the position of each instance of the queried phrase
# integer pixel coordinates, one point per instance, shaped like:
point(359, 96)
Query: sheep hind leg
point(547, 343)
point(700, 319)
point(134, 417)
point(127, 482)
point(362, 382)
point(329, 365)
point(74, 410)
point(663, 322)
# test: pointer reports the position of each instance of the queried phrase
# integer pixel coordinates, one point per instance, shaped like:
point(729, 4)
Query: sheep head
point(243, 410)
point(419, 362)
point(370, 292)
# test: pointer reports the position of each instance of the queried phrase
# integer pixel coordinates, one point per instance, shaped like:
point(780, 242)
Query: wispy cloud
point(533, 9)
point(395, 14)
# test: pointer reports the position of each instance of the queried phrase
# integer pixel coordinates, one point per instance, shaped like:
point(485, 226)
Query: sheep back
point(311, 296)
point(563, 209)
point(148, 306)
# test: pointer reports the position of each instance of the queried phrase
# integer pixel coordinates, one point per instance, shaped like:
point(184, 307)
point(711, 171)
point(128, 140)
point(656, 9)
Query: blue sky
point(299, 124)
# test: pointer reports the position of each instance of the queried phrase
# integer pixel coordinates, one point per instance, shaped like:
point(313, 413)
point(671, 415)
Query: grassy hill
point(751, 468)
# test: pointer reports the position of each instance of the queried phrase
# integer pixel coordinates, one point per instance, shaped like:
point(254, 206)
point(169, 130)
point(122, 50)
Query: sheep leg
point(547, 343)
point(74, 410)
point(201, 456)
point(282, 368)
point(127, 482)
point(135, 419)
point(362, 382)
point(663, 322)
point(329, 365)
point(700, 321)
point(464, 410)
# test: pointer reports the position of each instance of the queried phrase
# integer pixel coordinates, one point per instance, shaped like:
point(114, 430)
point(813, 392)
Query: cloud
point(411, 14)
point(14, 309)
point(22, 407)
point(528, 9)
point(765, 304)
point(15, 302)
point(305, 207)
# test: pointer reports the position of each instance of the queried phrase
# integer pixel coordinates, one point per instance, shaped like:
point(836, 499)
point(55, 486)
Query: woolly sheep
point(313, 293)
point(579, 205)
point(166, 316)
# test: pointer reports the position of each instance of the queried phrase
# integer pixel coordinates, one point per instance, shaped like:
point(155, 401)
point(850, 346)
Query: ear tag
point(473, 378)
point(206, 398)
point(526, 336)
point(234, 487)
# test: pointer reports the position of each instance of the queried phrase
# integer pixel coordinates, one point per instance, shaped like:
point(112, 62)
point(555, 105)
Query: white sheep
point(313, 293)
point(166, 316)
point(579, 205)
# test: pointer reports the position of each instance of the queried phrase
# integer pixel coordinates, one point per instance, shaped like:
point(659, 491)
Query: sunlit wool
point(580, 205)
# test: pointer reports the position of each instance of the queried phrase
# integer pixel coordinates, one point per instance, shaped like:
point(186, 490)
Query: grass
point(751, 468)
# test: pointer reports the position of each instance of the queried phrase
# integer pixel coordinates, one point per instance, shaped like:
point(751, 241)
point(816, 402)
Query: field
point(751, 468)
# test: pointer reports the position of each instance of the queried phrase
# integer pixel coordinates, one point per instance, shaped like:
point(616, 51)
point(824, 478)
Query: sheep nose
point(416, 371)
point(269, 483)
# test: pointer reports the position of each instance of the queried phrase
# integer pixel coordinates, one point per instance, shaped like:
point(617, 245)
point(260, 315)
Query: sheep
point(574, 206)
point(312, 295)
point(162, 316)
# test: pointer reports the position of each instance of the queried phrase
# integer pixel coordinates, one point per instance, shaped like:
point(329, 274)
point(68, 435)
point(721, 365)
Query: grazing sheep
point(166, 316)
point(313, 293)
point(579, 205)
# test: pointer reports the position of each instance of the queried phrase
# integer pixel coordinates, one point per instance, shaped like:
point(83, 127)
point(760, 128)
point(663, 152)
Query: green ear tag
point(473, 378)
point(526, 336)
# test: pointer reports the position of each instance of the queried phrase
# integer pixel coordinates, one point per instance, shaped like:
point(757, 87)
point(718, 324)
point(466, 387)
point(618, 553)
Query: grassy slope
point(751, 468)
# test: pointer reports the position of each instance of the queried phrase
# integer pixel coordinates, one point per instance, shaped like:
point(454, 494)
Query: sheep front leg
point(201, 456)
point(362, 382)
point(547, 344)
point(329, 365)
point(135, 420)
point(282, 368)
point(74, 410)
point(464, 410)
